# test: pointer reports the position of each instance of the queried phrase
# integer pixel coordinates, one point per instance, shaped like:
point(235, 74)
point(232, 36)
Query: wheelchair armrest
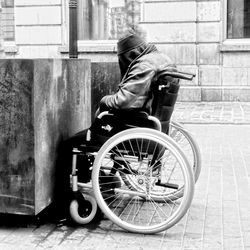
point(138, 113)
point(102, 114)
point(132, 115)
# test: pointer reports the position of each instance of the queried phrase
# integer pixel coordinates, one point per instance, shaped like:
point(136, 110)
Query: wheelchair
point(138, 170)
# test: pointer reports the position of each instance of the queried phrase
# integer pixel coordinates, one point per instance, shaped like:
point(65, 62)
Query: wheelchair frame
point(144, 188)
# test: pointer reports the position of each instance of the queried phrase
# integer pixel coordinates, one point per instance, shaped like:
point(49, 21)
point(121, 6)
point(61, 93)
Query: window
point(106, 19)
point(238, 19)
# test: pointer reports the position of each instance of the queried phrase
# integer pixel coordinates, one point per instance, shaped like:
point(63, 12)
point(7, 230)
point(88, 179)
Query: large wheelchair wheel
point(157, 166)
point(188, 144)
point(191, 150)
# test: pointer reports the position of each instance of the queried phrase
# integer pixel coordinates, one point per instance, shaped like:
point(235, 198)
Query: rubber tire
point(74, 206)
point(196, 165)
point(194, 145)
point(188, 175)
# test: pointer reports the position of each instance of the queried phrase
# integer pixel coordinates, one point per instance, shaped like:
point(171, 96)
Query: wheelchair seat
point(115, 121)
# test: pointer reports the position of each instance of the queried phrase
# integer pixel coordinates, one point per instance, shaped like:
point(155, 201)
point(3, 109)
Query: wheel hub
point(140, 181)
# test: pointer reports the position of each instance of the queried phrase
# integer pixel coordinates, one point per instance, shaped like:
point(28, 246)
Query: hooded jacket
point(141, 66)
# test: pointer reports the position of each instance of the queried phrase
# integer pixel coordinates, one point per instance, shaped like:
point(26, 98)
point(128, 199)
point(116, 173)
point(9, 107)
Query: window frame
point(108, 46)
point(231, 44)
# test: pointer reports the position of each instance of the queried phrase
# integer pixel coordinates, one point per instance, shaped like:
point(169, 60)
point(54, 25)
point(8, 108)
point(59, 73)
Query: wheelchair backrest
point(164, 99)
point(165, 94)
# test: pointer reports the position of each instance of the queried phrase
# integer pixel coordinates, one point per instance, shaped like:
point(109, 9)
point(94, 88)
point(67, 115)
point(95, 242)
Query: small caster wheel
point(83, 209)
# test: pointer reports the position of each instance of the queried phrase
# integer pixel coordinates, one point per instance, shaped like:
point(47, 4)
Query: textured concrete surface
point(62, 107)
point(41, 102)
point(17, 135)
point(105, 78)
point(218, 218)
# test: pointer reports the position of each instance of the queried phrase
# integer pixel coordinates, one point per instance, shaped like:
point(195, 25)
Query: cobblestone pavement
point(219, 216)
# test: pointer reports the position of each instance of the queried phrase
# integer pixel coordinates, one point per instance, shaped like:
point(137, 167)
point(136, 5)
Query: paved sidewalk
point(213, 112)
point(219, 216)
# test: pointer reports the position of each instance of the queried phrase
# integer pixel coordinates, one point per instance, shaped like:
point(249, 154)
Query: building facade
point(210, 38)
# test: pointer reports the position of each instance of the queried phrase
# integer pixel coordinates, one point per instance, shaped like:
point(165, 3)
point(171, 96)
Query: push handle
point(180, 75)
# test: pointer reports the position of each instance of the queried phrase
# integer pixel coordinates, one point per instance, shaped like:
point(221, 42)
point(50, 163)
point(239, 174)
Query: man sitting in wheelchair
point(143, 69)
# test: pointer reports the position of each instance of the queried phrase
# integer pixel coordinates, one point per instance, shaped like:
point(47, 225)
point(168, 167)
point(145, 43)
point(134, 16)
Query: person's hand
point(102, 107)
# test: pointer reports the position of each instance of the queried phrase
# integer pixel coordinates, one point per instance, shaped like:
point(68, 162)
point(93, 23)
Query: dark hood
point(130, 48)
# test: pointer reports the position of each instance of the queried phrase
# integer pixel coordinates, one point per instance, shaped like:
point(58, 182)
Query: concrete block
point(38, 51)
point(17, 136)
point(236, 59)
point(98, 57)
point(42, 102)
point(208, 11)
point(238, 93)
point(170, 32)
point(209, 32)
point(38, 35)
point(181, 54)
point(211, 94)
point(248, 76)
point(37, 2)
point(208, 54)
point(169, 50)
point(210, 76)
point(38, 15)
point(234, 45)
point(105, 78)
point(186, 54)
point(235, 76)
point(170, 11)
point(189, 94)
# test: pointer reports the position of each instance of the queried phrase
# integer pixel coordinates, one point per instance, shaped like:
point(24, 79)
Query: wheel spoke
point(138, 196)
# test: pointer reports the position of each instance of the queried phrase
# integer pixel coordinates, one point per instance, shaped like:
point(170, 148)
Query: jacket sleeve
point(135, 87)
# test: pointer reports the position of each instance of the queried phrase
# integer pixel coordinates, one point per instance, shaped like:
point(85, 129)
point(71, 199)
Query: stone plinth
point(41, 103)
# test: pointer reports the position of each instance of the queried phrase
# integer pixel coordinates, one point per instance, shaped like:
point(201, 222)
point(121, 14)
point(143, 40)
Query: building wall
point(39, 29)
point(191, 32)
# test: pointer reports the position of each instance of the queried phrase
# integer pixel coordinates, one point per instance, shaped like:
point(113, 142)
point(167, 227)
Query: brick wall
point(38, 27)
point(7, 21)
point(191, 32)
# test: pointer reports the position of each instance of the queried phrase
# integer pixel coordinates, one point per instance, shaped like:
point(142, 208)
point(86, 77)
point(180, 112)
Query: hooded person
point(141, 65)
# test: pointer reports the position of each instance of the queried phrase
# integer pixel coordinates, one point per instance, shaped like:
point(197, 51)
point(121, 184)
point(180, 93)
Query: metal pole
point(73, 51)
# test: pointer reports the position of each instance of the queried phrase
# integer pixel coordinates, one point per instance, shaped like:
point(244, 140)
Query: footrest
point(167, 185)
